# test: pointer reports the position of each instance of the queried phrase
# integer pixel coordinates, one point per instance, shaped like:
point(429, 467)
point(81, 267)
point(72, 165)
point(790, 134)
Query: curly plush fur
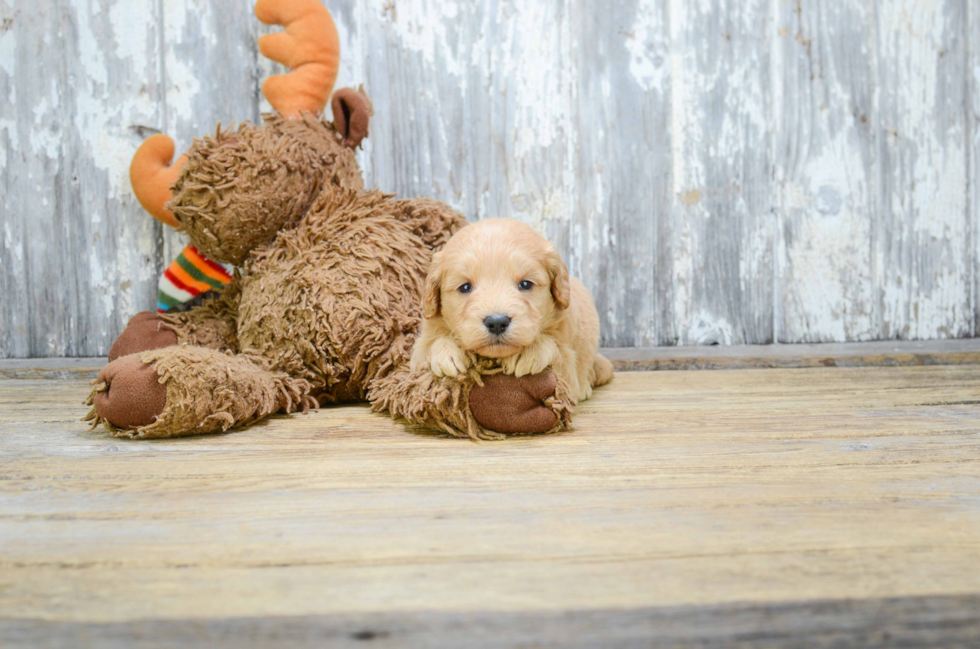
point(270, 175)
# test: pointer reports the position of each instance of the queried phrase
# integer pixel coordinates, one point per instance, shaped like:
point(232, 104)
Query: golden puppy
point(499, 290)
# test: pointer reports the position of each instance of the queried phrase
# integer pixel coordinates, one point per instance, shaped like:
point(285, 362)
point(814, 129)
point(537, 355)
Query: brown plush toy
point(328, 302)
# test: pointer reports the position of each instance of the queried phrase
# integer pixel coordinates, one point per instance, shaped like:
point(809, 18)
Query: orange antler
point(310, 48)
point(152, 175)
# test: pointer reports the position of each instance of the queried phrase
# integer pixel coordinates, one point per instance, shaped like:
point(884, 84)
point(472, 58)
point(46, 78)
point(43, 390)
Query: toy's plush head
point(234, 191)
point(497, 284)
point(238, 188)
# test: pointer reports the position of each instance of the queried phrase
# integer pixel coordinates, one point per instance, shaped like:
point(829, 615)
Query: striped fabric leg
point(189, 275)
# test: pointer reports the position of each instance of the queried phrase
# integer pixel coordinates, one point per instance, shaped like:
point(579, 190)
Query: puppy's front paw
point(531, 364)
point(533, 359)
point(447, 359)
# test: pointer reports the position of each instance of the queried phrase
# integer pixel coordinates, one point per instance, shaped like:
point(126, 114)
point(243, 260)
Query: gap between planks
point(635, 359)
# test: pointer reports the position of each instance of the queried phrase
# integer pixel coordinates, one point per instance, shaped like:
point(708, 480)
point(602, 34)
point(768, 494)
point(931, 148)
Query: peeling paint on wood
point(924, 234)
point(825, 165)
point(715, 171)
point(722, 243)
point(972, 21)
point(77, 257)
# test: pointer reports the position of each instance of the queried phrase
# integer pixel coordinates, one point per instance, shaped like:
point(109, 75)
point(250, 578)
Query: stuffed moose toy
point(327, 301)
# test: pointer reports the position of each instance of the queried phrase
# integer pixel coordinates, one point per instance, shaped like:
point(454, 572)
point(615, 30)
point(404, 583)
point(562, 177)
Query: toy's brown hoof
point(508, 404)
point(133, 396)
point(142, 334)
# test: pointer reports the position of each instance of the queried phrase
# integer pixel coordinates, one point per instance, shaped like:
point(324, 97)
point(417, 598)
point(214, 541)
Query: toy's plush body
point(327, 304)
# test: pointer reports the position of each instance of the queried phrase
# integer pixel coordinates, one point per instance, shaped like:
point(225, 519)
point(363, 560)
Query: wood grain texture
point(973, 130)
point(752, 489)
point(826, 170)
point(718, 171)
point(721, 226)
point(618, 238)
point(636, 359)
point(52, 368)
point(924, 239)
point(867, 623)
point(871, 354)
point(75, 77)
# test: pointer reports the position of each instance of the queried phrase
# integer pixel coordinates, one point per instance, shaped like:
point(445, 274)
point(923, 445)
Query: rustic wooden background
point(730, 171)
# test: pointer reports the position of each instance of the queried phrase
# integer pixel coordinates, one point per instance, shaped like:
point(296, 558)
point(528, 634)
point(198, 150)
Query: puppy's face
point(496, 285)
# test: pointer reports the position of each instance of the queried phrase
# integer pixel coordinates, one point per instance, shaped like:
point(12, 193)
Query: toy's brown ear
point(432, 293)
point(352, 111)
point(561, 291)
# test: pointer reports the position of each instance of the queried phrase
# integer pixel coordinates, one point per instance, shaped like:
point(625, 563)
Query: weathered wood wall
point(730, 171)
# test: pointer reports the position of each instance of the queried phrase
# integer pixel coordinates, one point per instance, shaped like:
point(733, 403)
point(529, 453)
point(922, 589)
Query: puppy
point(499, 290)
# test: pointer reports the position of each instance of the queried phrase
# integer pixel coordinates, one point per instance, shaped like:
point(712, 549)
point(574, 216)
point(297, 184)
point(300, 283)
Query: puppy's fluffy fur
point(502, 268)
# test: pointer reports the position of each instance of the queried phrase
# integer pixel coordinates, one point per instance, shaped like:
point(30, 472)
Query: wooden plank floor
point(728, 507)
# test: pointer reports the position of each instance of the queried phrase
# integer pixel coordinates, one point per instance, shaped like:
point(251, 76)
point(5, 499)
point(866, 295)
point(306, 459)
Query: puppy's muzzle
point(496, 323)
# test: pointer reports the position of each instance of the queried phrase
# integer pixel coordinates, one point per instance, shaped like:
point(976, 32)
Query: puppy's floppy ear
point(561, 291)
point(432, 292)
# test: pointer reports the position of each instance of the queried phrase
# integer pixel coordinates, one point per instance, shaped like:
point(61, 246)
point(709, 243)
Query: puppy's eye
point(526, 285)
point(465, 288)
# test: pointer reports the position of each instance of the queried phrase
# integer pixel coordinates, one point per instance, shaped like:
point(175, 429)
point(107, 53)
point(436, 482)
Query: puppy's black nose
point(496, 323)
